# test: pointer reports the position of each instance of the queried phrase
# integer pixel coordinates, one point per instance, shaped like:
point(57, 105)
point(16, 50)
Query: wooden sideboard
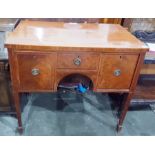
point(42, 53)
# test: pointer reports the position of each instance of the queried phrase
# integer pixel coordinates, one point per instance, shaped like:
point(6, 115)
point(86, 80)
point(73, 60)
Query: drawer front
point(78, 61)
point(36, 72)
point(116, 71)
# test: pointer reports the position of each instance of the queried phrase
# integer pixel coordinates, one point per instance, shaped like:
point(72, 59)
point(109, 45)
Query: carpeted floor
point(47, 114)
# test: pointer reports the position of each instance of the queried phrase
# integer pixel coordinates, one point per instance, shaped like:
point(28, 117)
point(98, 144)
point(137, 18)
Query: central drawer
point(78, 61)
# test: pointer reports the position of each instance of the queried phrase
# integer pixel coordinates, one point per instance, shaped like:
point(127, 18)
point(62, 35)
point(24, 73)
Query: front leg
point(126, 103)
point(16, 97)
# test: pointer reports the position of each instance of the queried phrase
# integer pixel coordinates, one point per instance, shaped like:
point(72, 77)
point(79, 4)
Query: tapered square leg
point(126, 103)
point(16, 96)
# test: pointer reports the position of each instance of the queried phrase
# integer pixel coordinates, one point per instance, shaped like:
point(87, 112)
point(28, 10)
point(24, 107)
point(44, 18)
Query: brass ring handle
point(35, 71)
point(77, 61)
point(117, 72)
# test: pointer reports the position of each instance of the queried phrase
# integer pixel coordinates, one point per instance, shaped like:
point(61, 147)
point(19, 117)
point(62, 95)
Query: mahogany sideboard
point(42, 53)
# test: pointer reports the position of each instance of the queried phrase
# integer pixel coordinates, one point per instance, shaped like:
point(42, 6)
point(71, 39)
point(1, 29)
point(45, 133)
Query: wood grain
point(88, 61)
point(59, 35)
point(109, 64)
point(44, 63)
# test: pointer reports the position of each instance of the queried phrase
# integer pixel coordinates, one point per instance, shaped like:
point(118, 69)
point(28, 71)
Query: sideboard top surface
point(50, 35)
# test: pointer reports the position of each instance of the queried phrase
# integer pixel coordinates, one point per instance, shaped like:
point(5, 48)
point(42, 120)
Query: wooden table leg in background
point(16, 96)
point(126, 103)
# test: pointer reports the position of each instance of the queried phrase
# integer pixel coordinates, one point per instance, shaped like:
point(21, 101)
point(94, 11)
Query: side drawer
point(36, 71)
point(78, 61)
point(116, 71)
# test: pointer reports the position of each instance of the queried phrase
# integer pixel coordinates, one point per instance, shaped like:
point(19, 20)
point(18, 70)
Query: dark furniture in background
point(6, 102)
point(80, 20)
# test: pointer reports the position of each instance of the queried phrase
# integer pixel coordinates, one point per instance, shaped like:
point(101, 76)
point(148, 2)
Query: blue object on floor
point(81, 88)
